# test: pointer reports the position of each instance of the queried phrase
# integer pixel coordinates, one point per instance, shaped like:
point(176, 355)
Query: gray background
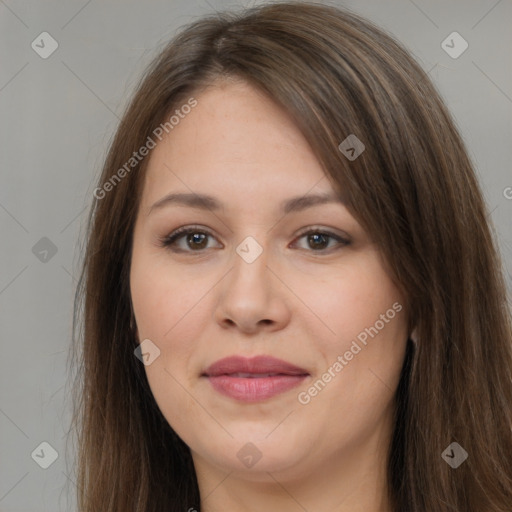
point(57, 117)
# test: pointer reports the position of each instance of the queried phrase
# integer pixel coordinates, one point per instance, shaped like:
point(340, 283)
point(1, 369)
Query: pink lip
point(224, 377)
point(257, 364)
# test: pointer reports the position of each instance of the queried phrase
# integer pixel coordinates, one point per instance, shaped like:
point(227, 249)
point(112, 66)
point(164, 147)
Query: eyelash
point(170, 240)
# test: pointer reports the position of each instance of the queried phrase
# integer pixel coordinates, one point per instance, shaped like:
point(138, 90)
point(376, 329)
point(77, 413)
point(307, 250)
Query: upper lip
point(257, 364)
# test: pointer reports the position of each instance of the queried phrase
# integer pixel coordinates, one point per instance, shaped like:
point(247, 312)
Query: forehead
point(235, 142)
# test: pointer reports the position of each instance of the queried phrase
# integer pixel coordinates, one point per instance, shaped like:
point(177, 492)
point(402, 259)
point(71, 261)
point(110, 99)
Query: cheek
point(172, 310)
point(168, 312)
point(162, 298)
point(163, 307)
point(351, 300)
point(355, 386)
point(362, 337)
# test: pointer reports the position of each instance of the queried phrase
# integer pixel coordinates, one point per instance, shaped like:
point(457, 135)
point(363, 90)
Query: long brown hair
point(414, 190)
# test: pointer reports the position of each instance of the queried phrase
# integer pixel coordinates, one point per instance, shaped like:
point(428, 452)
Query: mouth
point(252, 375)
point(253, 379)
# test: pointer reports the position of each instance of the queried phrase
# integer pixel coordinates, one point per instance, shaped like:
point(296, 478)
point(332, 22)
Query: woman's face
point(303, 284)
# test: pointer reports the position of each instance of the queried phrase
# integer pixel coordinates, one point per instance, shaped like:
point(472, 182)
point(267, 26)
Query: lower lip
point(254, 389)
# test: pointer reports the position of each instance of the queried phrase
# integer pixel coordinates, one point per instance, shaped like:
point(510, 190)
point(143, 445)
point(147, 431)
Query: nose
point(252, 297)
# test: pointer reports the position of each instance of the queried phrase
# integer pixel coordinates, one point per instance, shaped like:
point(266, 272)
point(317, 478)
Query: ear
point(414, 336)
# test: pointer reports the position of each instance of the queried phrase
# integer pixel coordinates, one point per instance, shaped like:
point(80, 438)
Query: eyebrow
point(206, 202)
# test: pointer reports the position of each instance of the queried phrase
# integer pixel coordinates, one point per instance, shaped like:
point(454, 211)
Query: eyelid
point(325, 230)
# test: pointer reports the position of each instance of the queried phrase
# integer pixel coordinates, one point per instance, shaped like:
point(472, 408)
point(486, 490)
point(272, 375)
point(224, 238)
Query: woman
point(291, 296)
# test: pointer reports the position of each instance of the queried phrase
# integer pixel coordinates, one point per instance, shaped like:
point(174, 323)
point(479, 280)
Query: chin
point(256, 456)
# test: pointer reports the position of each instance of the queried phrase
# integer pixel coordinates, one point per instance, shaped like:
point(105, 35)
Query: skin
point(298, 301)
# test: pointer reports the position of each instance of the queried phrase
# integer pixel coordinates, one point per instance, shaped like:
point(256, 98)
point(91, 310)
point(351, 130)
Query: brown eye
point(191, 239)
point(196, 240)
point(318, 240)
